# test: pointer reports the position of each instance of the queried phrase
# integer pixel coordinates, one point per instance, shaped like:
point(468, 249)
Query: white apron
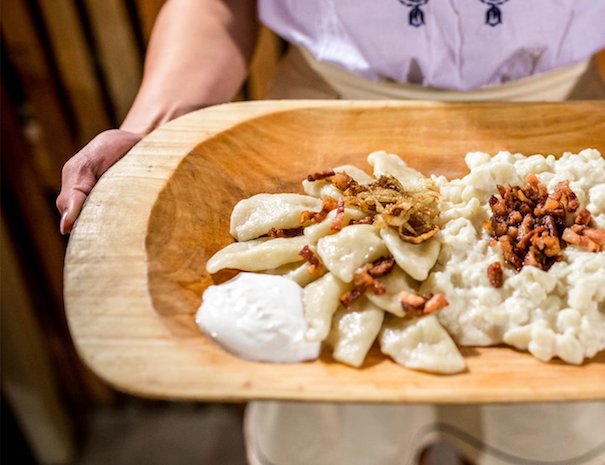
point(298, 433)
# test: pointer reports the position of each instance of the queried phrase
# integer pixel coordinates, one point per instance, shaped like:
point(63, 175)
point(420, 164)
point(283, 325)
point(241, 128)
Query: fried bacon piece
point(530, 224)
point(495, 274)
point(315, 265)
point(582, 235)
point(364, 220)
point(415, 305)
point(365, 278)
point(583, 240)
point(342, 181)
point(339, 219)
point(584, 217)
point(292, 232)
point(311, 217)
point(320, 175)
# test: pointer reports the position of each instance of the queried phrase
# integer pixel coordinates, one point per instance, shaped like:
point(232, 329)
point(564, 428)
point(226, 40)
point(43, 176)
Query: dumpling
point(421, 344)
point(297, 272)
point(315, 232)
point(415, 259)
point(322, 187)
point(321, 298)
point(255, 216)
point(388, 163)
point(394, 282)
point(354, 330)
point(257, 255)
point(354, 246)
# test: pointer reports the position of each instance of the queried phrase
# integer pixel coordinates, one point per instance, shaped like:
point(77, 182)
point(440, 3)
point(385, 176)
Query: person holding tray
point(461, 50)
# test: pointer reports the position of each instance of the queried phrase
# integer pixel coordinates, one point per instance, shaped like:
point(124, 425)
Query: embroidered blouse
point(451, 44)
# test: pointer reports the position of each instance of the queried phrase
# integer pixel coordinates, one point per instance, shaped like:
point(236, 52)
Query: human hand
point(83, 170)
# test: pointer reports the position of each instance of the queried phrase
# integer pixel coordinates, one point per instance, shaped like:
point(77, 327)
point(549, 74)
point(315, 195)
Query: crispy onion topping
point(413, 214)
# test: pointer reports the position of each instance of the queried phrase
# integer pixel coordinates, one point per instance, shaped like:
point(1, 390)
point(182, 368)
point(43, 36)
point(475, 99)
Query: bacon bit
point(495, 274)
point(415, 305)
point(549, 245)
point(529, 224)
point(412, 300)
point(342, 181)
point(582, 241)
point(320, 175)
point(584, 217)
point(311, 217)
point(526, 239)
point(339, 219)
point(365, 277)
point(381, 267)
point(364, 220)
point(293, 232)
point(566, 196)
point(378, 288)
point(315, 265)
point(596, 234)
point(437, 302)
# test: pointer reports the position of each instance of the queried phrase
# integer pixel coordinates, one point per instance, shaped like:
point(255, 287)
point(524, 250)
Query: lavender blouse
point(451, 44)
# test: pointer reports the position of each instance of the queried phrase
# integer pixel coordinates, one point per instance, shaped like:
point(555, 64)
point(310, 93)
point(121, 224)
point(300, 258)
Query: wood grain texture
point(135, 263)
point(24, 49)
point(76, 66)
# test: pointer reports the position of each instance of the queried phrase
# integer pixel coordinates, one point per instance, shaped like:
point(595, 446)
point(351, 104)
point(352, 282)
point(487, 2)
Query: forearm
point(198, 56)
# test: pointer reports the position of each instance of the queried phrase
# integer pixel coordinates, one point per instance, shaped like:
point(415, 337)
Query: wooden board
point(134, 269)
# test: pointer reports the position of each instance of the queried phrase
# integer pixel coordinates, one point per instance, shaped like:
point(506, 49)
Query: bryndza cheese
point(555, 313)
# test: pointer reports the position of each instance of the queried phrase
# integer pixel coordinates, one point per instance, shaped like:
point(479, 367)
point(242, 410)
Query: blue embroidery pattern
point(493, 16)
point(416, 17)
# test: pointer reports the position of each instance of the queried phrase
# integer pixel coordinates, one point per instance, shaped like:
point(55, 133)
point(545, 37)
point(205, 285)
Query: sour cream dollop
point(258, 317)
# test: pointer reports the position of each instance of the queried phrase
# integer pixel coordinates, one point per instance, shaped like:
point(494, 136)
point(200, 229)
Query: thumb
point(81, 172)
point(71, 213)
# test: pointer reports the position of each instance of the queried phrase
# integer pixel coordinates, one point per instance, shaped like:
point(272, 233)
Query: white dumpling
point(322, 187)
point(415, 259)
point(388, 163)
point(303, 276)
point(315, 232)
point(394, 282)
point(255, 216)
point(354, 246)
point(257, 255)
point(421, 344)
point(321, 298)
point(354, 330)
point(297, 272)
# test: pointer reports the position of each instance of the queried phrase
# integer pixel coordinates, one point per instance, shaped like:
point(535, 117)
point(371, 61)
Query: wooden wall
point(70, 69)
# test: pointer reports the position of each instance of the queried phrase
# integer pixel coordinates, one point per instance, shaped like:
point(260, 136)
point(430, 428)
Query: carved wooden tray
point(134, 270)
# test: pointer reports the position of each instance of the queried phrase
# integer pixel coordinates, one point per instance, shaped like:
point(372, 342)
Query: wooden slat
point(25, 52)
point(264, 63)
point(37, 220)
point(148, 11)
point(76, 67)
point(27, 379)
point(118, 52)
